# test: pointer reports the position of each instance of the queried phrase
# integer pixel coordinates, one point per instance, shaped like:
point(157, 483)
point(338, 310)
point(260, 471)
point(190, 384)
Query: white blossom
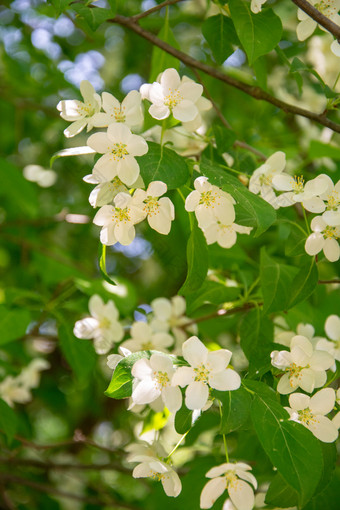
point(307, 25)
point(154, 381)
point(154, 468)
point(128, 112)
point(236, 479)
point(144, 338)
point(324, 238)
point(18, 389)
point(296, 191)
point(256, 5)
point(331, 196)
point(332, 328)
point(304, 367)
point(284, 337)
point(171, 94)
point(311, 411)
point(207, 369)
point(202, 104)
point(159, 212)
point(119, 148)
point(206, 200)
point(102, 326)
point(223, 230)
point(118, 221)
point(78, 112)
point(261, 182)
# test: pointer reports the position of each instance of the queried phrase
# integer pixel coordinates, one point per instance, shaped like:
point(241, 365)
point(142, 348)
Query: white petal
point(285, 385)
point(145, 392)
point(128, 170)
point(194, 351)
point(86, 328)
point(137, 146)
point(183, 376)
point(323, 429)
point(323, 401)
point(141, 331)
point(196, 395)
point(104, 215)
point(172, 398)
point(171, 484)
point(161, 362)
point(303, 343)
point(75, 128)
point(219, 360)
point(185, 111)
point(331, 249)
point(170, 80)
point(299, 401)
point(113, 360)
point(156, 189)
point(283, 182)
point(162, 308)
point(314, 243)
point(142, 369)
point(335, 47)
point(124, 233)
point(118, 133)
point(305, 28)
point(332, 327)
point(242, 495)
point(87, 91)
point(307, 380)
point(321, 360)
point(227, 380)
point(212, 491)
point(277, 161)
point(99, 142)
point(159, 112)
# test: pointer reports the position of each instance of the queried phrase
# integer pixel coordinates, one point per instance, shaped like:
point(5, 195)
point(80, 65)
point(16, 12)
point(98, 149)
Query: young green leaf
point(235, 408)
point(78, 353)
point(219, 32)
point(183, 420)
point(161, 60)
point(121, 381)
point(258, 33)
point(197, 258)
point(163, 164)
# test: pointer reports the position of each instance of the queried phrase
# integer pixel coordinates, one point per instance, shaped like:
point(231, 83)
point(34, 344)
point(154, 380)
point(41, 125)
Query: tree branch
point(255, 92)
point(223, 313)
point(320, 18)
point(155, 9)
point(62, 466)
point(328, 281)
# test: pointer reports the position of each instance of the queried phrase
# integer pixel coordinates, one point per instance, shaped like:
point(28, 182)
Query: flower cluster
point(18, 389)
point(215, 213)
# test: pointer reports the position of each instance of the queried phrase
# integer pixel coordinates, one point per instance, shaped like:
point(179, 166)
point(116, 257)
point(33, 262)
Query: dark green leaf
point(60, 5)
point(211, 292)
point(79, 354)
point(305, 281)
point(258, 33)
point(121, 382)
point(256, 333)
point(94, 17)
point(183, 419)
point(197, 258)
point(235, 409)
point(8, 420)
point(13, 323)
point(163, 164)
point(276, 283)
point(224, 138)
point(292, 448)
point(281, 494)
point(220, 34)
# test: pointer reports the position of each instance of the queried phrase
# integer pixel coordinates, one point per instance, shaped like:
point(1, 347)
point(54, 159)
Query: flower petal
point(212, 491)
point(196, 395)
point(242, 495)
point(172, 397)
point(194, 351)
point(227, 380)
point(323, 401)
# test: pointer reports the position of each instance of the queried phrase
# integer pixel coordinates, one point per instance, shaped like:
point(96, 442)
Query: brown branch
point(223, 313)
point(62, 466)
point(328, 281)
point(49, 489)
point(154, 9)
point(255, 92)
point(320, 18)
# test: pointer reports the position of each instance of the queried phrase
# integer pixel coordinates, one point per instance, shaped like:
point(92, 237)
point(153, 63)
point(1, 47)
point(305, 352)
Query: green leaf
point(258, 33)
point(8, 420)
point(20, 193)
point(211, 292)
point(161, 60)
point(72, 151)
point(94, 17)
point(295, 244)
point(256, 334)
point(260, 70)
point(292, 448)
point(220, 34)
point(224, 138)
point(102, 265)
point(305, 281)
point(276, 283)
point(60, 5)
point(183, 420)
point(13, 323)
point(251, 210)
point(281, 494)
point(197, 259)
point(163, 164)
point(235, 409)
point(79, 354)
point(323, 150)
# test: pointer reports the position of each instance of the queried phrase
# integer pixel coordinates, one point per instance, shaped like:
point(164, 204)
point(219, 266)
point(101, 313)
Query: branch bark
point(320, 18)
point(223, 313)
point(155, 9)
point(255, 92)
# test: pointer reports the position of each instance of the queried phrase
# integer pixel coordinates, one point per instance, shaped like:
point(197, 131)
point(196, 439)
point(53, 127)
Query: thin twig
point(223, 313)
point(255, 92)
point(320, 18)
point(49, 489)
point(62, 466)
point(329, 281)
point(155, 9)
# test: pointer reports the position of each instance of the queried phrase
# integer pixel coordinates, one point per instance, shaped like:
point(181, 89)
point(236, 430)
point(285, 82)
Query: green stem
point(191, 219)
point(232, 170)
point(306, 221)
point(177, 445)
point(223, 435)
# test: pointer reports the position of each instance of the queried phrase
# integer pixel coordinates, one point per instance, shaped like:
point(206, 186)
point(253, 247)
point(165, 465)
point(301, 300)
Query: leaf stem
point(306, 221)
point(177, 445)
point(223, 435)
